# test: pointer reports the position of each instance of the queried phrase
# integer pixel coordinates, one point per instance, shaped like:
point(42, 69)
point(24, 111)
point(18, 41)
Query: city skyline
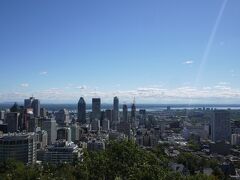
point(158, 52)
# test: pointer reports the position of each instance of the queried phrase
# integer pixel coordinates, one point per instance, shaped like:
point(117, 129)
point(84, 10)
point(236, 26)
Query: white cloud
point(188, 62)
point(83, 87)
point(223, 83)
point(24, 85)
point(43, 73)
point(184, 94)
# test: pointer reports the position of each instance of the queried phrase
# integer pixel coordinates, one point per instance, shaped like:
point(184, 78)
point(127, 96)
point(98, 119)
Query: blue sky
point(160, 51)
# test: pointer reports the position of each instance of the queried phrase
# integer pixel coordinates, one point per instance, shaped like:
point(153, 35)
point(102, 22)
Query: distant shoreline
point(148, 107)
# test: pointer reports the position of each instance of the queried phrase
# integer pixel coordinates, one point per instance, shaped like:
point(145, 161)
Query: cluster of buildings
point(33, 134)
point(61, 136)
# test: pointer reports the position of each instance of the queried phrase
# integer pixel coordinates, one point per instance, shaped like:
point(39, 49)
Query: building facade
point(21, 147)
point(96, 108)
point(82, 111)
point(221, 126)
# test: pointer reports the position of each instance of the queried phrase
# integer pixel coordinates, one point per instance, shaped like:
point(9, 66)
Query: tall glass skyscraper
point(96, 108)
point(115, 109)
point(82, 111)
point(34, 104)
point(125, 113)
point(221, 126)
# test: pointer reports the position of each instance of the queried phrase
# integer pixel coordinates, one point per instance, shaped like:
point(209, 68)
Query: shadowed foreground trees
point(121, 160)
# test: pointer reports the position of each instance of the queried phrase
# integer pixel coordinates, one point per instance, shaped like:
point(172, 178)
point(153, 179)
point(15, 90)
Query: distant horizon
point(154, 104)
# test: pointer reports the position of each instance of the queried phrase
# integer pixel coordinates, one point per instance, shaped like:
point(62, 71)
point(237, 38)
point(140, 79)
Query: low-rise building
point(61, 152)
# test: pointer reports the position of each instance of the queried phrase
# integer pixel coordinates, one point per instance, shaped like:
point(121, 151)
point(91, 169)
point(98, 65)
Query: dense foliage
point(121, 160)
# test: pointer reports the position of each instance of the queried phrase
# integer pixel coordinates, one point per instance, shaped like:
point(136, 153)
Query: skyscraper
point(82, 111)
point(36, 107)
point(34, 104)
point(50, 126)
point(115, 109)
point(62, 117)
point(96, 108)
point(221, 126)
point(143, 116)
point(133, 113)
point(2, 115)
point(108, 114)
point(28, 102)
point(125, 113)
point(12, 120)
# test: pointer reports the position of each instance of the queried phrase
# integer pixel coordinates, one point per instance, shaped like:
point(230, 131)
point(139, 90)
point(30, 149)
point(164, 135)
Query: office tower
point(64, 133)
point(115, 109)
point(105, 125)
point(36, 107)
point(27, 115)
point(50, 126)
point(41, 138)
point(2, 115)
point(133, 113)
point(12, 120)
point(95, 125)
point(62, 117)
point(15, 108)
point(28, 102)
point(221, 126)
point(143, 116)
point(82, 111)
point(43, 112)
point(102, 116)
point(20, 147)
point(75, 132)
point(108, 114)
point(96, 108)
point(34, 104)
point(32, 124)
point(125, 113)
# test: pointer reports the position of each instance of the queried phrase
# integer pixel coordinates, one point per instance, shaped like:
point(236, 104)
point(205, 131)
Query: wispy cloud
point(188, 62)
point(82, 87)
point(181, 94)
point(223, 83)
point(43, 73)
point(24, 85)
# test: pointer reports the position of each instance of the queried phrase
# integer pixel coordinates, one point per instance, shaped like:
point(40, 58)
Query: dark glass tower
point(115, 109)
point(133, 113)
point(82, 111)
point(221, 126)
point(125, 113)
point(96, 108)
point(34, 104)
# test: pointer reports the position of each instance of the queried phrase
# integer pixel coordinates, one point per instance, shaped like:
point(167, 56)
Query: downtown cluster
point(118, 143)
